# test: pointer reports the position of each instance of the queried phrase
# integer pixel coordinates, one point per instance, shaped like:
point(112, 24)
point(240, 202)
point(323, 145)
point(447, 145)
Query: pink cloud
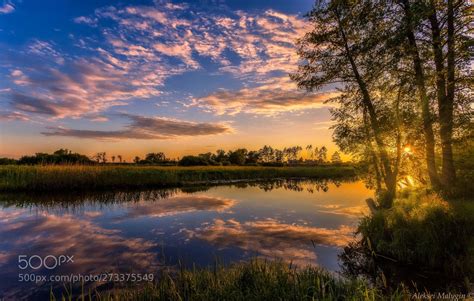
point(274, 97)
point(272, 238)
point(7, 8)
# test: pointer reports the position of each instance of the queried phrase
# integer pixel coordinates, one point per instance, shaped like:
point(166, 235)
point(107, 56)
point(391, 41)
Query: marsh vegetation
point(75, 177)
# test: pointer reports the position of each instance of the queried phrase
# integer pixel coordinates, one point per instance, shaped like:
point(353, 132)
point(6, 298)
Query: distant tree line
point(61, 156)
point(266, 156)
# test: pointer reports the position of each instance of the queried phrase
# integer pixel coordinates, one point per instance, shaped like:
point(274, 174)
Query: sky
point(132, 77)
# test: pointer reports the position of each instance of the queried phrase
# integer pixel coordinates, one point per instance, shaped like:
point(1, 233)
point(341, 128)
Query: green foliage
point(50, 178)
point(254, 280)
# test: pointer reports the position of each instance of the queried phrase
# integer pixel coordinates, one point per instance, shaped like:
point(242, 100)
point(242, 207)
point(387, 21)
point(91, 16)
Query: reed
point(252, 280)
point(80, 177)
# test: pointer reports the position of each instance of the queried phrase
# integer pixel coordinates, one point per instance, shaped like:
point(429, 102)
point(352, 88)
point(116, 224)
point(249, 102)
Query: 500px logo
point(49, 262)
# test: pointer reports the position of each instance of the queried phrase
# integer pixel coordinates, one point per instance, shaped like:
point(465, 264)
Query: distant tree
point(267, 154)
point(309, 150)
point(220, 156)
point(62, 152)
point(279, 156)
point(315, 153)
point(252, 157)
point(101, 157)
point(155, 158)
point(61, 156)
point(238, 156)
point(193, 161)
point(323, 153)
point(293, 152)
point(208, 158)
point(336, 157)
point(7, 161)
point(113, 159)
point(119, 158)
point(136, 160)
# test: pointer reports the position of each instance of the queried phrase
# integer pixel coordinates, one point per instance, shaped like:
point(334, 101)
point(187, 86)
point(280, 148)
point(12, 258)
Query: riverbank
point(79, 177)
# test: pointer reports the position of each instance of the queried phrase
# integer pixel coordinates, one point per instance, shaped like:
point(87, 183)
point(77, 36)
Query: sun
point(407, 150)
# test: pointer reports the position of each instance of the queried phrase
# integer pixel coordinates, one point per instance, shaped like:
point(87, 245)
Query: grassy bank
point(51, 178)
point(254, 280)
point(422, 239)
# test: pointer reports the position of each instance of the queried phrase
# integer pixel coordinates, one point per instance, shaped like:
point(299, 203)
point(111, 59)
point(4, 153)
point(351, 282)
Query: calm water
point(140, 232)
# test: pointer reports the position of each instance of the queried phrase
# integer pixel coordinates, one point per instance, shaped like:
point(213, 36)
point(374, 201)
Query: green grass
point(253, 280)
point(77, 177)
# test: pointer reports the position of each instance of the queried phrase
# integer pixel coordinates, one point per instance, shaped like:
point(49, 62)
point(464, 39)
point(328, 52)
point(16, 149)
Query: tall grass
point(253, 280)
point(50, 178)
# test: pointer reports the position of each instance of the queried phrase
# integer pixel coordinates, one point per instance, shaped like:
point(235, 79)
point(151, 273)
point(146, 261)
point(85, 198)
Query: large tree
point(345, 47)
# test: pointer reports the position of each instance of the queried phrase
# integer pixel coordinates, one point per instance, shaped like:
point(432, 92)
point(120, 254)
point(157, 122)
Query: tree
point(279, 156)
point(113, 159)
point(435, 36)
point(323, 154)
point(61, 156)
point(309, 150)
point(336, 158)
point(315, 152)
point(101, 157)
point(136, 160)
point(220, 156)
point(420, 80)
point(193, 161)
point(155, 158)
point(238, 156)
point(267, 154)
point(252, 157)
point(344, 46)
point(119, 158)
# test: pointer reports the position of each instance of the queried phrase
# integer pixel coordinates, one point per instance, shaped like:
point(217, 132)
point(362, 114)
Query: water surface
point(304, 222)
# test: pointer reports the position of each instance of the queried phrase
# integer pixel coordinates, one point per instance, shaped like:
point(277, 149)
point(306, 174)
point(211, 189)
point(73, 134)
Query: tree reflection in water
point(72, 201)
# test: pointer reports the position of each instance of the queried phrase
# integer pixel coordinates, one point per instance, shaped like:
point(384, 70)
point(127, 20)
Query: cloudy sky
point(131, 77)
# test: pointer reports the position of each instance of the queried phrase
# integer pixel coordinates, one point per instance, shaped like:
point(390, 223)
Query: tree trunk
point(378, 176)
point(424, 100)
point(449, 172)
point(445, 104)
